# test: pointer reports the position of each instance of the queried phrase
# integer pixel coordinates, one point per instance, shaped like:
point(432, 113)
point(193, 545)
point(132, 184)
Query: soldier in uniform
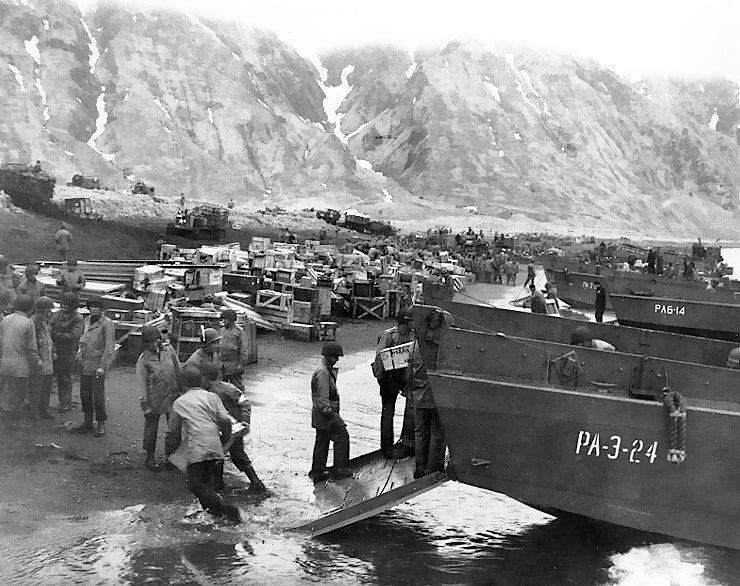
point(71, 278)
point(66, 326)
point(233, 349)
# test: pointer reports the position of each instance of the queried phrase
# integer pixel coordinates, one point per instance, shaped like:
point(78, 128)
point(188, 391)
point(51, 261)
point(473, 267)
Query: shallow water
point(453, 534)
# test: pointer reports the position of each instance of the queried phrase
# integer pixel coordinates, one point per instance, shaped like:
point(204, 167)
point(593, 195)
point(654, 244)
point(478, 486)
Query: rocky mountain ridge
point(504, 140)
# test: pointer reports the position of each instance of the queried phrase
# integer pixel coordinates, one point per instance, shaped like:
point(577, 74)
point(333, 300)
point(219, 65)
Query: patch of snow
point(714, 119)
point(70, 154)
point(167, 130)
point(334, 96)
point(602, 85)
point(522, 80)
point(363, 164)
point(125, 96)
point(323, 185)
point(501, 153)
point(209, 31)
point(305, 154)
point(265, 106)
point(545, 110)
point(517, 136)
point(356, 131)
point(46, 25)
point(100, 123)
point(388, 198)
point(210, 115)
point(319, 125)
point(79, 100)
point(494, 91)
point(18, 76)
point(411, 69)
point(528, 82)
point(642, 88)
point(133, 17)
point(235, 56)
point(701, 87)
point(473, 209)
point(42, 93)
point(32, 48)
point(414, 100)
point(650, 98)
point(93, 45)
point(161, 107)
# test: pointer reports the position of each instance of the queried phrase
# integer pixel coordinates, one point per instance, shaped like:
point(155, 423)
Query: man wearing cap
point(233, 349)
point(6, 279)
point(392, 382)
point(206, 355)
point(234, 401)
point(62, 238)
point(66, 327)
point(325, 418)
point(19, 354)
point(95, 357)
point(157, 370)
point(197, 418)
point(41, 380)
point(32, 286)
point(71, 278)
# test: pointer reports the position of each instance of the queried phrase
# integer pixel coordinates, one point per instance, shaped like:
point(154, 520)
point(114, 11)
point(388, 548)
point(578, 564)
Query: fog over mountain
point(220, 110)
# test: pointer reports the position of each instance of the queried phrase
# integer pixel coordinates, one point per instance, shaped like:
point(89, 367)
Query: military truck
point(141, 187)
point(206, 222)
point(27, 185)
point(85, 181)
point(80, 207)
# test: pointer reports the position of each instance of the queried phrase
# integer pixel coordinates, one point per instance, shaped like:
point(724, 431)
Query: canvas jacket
point(97, 345)
point(19, 354)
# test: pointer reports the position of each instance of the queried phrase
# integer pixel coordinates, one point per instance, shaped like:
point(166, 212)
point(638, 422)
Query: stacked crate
point(275, 307)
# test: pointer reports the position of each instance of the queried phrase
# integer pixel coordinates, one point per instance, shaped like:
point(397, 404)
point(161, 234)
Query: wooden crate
point(302, 312)
point(370, 307)
point(305, 294)
point(301, 332)
point(274, 300)
point(324, 301)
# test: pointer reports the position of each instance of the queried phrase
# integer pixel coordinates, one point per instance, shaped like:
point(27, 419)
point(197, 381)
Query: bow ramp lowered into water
point(376, 485)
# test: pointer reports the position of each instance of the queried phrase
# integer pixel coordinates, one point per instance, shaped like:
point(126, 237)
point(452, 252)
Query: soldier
point(206, 354)
point(325, 418)
point(40, 384)
point(157, 370)
point(6, 279)
point(19, 355)
point(233, 349)
point(32, 286)
point(96, 355)
point(66, 327)
point(600, 302)
point(62, 238)
point(71, 278)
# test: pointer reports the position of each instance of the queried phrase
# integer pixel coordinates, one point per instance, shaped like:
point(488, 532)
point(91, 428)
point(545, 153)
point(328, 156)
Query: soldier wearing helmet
point(391, 383)
point(96, 355)
point(19, 355)
point(6, 279)
point(207, 354)
point(40, 384)
point(325, 418)
point(32, 286)
point(66, 327)
point(733, 359)
point(71, 278)
point(233, 349)
point(157, 370)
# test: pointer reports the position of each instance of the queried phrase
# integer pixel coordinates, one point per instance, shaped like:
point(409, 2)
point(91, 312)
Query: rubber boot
point(87, 426)
point(256, 485)
point(99, 430)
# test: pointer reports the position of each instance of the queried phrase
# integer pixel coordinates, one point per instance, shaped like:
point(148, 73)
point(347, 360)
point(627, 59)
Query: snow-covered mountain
point(220, 111)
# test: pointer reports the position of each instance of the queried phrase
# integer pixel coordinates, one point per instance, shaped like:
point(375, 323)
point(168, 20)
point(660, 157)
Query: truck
point(27, 185)
point(85, 181)
point(205, 222)
point(141, 187)
point(80, 207)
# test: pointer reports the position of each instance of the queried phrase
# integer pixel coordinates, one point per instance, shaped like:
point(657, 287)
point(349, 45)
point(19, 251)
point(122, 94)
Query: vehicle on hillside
point(205, 222)
point(329, 216)
point(80, 207)
point(85, 181)
point(141, 187)
point(27, 185)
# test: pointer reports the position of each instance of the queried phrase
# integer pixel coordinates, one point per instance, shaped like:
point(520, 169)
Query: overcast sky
point(634, 37)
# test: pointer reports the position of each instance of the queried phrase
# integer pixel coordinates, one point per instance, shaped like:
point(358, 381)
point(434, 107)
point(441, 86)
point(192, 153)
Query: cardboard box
point(396, 357)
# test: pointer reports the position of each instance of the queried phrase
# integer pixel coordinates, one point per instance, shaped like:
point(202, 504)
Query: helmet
point(95, 302)
point(72, 262)
point(733, 360)
point(404, 316)
point(149, 334)
point(43, 303)
point(210, 335)
point(189, 377)
point(332, 349)
point(32, 270)
point(228, 314)
point(580, 335)
point(23, 303)
point(69, 298)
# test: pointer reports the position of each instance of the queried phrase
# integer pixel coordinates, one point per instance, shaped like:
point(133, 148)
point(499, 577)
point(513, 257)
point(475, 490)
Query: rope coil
point(676, 409)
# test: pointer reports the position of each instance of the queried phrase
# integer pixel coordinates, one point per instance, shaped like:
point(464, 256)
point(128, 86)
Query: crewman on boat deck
point(536, 300)
point(582, 337)
point(600, 303)
point(391, 383)
point(325, 418)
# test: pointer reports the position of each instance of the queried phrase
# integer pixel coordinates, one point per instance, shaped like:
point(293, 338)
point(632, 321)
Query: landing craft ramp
point(376, 485)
